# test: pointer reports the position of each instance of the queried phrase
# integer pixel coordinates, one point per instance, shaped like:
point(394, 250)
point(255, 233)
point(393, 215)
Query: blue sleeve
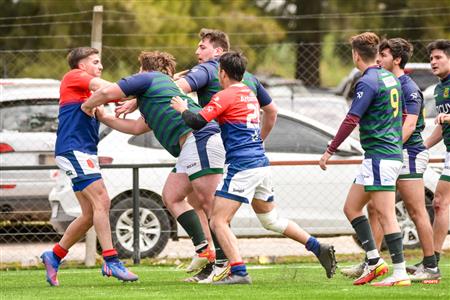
point(364, 94)
point(262, 95)
point(198, 77)
point(413, 101)
point(135, 84)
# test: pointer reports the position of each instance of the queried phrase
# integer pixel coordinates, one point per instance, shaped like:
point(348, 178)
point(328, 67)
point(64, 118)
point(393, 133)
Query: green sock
point(220, 255)
point(191, 224)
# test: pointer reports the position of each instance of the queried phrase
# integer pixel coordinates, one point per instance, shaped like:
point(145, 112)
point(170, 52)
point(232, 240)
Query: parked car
point(309, 196)
point(419, 72)
point(28, 123)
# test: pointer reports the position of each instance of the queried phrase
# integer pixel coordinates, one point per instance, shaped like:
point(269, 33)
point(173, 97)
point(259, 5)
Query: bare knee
point(440, 203)
point(86, 219)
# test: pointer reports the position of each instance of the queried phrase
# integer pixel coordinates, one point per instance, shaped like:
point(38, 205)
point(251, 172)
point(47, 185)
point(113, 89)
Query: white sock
point(400, 270)
point(372, 254)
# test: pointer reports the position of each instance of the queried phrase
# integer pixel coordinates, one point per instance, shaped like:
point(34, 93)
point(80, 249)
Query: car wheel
point(154, 230)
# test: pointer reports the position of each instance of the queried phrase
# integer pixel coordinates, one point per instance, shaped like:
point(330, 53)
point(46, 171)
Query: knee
point(86, 219)
point(349, 212)
point(271, 221)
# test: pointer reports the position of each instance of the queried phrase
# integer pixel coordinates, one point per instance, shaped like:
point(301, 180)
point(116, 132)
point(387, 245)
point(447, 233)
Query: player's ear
point(218, 51)
point(397, 61)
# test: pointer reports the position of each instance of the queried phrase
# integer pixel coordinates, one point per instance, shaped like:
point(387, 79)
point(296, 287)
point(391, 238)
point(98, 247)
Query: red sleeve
point(80, 79)
point(344, 131)
point(218, 104)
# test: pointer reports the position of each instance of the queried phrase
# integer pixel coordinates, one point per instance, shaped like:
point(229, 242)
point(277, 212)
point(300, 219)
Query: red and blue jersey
point(76, 130)
point(204, 80)
point(237, 110)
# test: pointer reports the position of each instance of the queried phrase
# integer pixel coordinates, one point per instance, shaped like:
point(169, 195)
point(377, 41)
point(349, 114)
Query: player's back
point(240, 123)
point(154, 90)
point(76, 130)
point(381, 124)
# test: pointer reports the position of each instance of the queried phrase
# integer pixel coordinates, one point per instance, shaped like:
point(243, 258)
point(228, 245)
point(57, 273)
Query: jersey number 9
point(395, 101)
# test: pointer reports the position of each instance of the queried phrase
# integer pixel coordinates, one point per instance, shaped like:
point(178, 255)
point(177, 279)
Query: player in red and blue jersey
point(377, 107)
point(76, 155)
point(439, 52)
point(248, 176)
point(204, 80)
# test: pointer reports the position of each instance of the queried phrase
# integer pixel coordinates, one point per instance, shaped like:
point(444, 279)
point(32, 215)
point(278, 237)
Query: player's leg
point(356, 271)
point(74, 232)
point(357, 198)
point(175, 190)
point(202, 217)
point(97, 195)
point(203, 158)
point(223, 211)
point(441, 204)
point(413, 194)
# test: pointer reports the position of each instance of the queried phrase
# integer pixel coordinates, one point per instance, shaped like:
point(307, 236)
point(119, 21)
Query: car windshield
point(29, 116)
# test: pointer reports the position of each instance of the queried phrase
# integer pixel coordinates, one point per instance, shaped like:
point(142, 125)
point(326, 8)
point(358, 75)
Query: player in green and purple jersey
point(393, 56)
point(439, 52)
point(377, 107)
point(201, 155)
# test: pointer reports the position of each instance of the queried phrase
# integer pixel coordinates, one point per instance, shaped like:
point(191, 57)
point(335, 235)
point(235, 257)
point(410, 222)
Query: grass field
point(279, 281)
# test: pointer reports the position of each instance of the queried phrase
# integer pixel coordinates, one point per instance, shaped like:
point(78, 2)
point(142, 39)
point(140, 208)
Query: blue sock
point(112, 258)
point(239, 269)
point(313, 245)
point(58, 259)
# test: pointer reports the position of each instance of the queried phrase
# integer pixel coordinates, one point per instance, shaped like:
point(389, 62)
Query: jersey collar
point(371, 67)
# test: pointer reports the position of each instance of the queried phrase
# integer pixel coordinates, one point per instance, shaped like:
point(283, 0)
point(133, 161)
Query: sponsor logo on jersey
point(359, 95)
point(443, 108)
point(90, 163)
point(389, 81)
point(238, 190)
point(414, 96)
point(69, 173)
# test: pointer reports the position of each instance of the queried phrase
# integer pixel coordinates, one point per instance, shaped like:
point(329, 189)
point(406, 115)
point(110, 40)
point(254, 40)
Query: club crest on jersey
point(359, 95)
point(446, 92)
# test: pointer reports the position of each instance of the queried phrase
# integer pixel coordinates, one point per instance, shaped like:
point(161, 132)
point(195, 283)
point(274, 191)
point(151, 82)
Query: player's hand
point(442, 118)
point(90, 111)
point(323, 160)
point(179, 75)
point(100, 112)
point(179, 104)
point(126, 107)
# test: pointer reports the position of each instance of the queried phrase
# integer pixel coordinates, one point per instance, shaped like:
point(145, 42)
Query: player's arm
point(129, 126)
point(409, 126)
point(193, 120)
point(270, 111)
point(102, 96)
point(269, 118)
point(194, 80)
point(434, 138)
point(97, 83)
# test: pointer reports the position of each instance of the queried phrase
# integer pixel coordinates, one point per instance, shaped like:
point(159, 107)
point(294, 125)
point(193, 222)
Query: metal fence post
point(96, 42)
point(136, 217)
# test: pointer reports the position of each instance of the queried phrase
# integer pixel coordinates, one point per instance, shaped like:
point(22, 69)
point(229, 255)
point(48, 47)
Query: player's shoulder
point(209, 65)
point(76, 74)
point(408, 85)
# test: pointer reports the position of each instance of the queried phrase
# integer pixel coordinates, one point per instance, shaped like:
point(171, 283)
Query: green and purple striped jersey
point(378, 104)
point(442, 97)
point(413, 100)
point(204, 80)
point(154, 90)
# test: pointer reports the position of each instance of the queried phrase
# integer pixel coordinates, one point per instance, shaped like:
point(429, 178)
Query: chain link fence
point(37, 205)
